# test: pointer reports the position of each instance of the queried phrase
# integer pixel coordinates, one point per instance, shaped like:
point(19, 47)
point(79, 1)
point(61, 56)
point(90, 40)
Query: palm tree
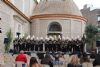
point(91, 34)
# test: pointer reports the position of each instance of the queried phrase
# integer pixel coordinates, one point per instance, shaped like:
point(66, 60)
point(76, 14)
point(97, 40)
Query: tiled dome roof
point(57, 7)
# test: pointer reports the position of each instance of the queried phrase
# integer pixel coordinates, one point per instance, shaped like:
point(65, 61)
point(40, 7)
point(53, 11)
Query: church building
point(57, 17)
point(41, 19)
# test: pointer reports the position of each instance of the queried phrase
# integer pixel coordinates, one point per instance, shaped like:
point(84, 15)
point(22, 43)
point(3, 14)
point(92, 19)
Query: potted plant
point(9, 37)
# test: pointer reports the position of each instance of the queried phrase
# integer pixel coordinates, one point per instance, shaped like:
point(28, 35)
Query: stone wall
point(70, 27)
point(91, 15)
point(8, 21)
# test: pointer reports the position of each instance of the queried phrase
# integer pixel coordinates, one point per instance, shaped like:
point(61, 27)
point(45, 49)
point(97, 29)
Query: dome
point(57, 7)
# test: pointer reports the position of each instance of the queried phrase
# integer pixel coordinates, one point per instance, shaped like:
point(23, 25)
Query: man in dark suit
point(97, 60)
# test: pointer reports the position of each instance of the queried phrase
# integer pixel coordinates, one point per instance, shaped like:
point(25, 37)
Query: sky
point(81, 3)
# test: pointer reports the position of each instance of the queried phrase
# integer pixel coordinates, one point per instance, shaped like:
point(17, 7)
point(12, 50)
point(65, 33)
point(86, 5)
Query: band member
point(41, 42)
point(32, 44)
point(28, 45)
point(46, 45)
point(49, 45)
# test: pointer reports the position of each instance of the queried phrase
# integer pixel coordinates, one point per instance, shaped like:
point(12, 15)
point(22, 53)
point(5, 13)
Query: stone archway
point(54, 29)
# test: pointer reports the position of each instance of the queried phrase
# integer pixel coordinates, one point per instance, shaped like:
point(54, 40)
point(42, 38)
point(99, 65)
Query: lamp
point(46, 38)
point(59, 37)
point(63, 38)
point(18, 34)
point(33, 37)
point(28, 37)
point(37, 38)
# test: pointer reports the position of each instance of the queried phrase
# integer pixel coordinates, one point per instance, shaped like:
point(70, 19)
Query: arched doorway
point(54, 29)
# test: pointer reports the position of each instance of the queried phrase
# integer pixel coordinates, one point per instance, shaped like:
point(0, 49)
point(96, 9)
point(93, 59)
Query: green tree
point(91, 34)
point(10, 37)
